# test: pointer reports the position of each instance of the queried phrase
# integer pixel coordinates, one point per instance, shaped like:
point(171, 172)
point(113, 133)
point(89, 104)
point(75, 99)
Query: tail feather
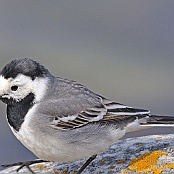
point(156, 120)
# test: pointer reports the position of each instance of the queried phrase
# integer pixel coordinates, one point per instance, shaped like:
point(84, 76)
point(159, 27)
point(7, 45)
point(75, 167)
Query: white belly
point(65, 147)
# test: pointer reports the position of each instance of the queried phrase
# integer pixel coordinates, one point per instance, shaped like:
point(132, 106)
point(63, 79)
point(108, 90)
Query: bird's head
point(22, 77)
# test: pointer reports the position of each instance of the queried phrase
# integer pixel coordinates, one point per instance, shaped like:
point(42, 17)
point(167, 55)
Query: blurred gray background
point(123, 50)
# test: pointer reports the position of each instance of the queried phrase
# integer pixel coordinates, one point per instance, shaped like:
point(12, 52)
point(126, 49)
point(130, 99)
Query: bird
point(60, 120)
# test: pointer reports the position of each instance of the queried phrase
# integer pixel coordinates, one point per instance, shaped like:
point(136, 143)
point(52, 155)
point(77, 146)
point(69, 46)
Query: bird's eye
point(14, 88)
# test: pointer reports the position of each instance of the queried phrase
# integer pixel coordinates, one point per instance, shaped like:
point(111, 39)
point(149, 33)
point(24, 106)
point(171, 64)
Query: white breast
point(29, 136)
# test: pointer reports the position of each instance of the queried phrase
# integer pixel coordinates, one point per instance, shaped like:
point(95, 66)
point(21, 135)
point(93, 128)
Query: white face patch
point(4, 85)
point(25, 85)
point(39, 88)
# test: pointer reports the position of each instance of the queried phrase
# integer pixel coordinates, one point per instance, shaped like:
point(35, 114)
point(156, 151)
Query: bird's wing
point(108, 112)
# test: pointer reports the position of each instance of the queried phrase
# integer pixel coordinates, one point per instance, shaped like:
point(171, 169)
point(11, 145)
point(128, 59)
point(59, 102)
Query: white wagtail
point(61, 120)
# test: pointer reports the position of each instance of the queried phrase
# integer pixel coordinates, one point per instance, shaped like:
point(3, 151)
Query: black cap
point(26, 67)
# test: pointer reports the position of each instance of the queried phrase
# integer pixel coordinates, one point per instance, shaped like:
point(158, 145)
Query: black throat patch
point(16, 111)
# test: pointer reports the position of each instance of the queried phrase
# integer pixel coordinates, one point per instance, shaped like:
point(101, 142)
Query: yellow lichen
point(147, 162)
point(40, 166)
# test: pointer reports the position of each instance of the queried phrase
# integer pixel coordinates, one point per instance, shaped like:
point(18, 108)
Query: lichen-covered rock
point(150, 154)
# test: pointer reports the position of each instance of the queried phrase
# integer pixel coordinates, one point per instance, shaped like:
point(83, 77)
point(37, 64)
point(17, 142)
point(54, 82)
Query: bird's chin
point(6, 100)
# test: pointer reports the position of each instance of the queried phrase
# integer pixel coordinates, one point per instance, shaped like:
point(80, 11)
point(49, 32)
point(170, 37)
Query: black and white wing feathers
point(109, 112)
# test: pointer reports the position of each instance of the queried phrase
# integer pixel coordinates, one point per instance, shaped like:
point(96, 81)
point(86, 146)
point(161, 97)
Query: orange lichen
point(56, 172)
point(140, 144)
point(159, 137)
point(102, 161)
point(120, 161)
point(111, 167)
point(147, 162)
point(64, 171)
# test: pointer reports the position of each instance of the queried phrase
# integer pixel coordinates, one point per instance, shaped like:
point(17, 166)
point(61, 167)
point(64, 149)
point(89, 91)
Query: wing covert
point(107, 111)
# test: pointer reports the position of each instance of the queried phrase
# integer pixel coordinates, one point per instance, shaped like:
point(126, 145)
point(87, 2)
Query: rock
point(148, 154)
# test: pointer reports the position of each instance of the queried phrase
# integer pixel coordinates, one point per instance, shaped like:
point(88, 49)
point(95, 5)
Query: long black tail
point(155, 120)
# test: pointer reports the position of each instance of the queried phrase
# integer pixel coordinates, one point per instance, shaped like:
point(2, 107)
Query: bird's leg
point(23, 164)
point(89, 160)
point(28, 163)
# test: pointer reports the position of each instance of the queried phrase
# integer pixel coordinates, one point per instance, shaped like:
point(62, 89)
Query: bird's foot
point(28, 163)
point(89, 160)
point(23, 164)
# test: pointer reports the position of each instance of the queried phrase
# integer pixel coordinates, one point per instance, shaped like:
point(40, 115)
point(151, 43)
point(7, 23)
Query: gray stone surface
point(118, 157)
